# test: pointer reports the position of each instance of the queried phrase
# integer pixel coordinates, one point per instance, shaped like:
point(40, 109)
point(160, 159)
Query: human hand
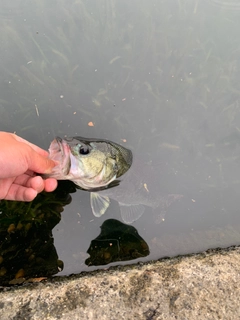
point(20, 160)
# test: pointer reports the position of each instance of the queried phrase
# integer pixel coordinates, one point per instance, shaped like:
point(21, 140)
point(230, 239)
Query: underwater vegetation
point(157, 58)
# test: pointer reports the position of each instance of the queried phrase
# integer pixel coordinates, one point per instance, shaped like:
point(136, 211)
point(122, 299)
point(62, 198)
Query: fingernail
point(49, 170)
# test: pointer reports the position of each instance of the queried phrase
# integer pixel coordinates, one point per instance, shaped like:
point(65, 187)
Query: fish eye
point(84, 150)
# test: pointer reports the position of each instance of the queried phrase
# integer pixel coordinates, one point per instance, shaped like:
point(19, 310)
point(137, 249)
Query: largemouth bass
point(89, 163)
point(96, 165)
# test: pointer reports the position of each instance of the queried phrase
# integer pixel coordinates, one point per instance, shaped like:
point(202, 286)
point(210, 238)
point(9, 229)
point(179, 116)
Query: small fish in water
point(89, 163)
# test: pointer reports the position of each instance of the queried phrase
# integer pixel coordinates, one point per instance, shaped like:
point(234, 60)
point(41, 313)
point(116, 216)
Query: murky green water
point(161, 78)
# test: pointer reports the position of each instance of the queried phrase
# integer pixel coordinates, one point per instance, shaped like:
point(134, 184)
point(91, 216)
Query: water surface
point(161, 78)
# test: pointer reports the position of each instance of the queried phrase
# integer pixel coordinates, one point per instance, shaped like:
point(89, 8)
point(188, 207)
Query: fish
point(107, 170)
point(89, 163)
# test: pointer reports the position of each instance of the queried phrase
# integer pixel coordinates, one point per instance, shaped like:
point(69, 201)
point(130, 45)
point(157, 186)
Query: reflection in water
point(27, 246)
point(116, 242)
point(26, 243)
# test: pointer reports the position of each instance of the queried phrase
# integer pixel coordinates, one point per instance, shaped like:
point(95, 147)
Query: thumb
point(40, 164)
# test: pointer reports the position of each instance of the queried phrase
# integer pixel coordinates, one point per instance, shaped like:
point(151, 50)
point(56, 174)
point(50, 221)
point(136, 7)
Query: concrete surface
point(202, 286)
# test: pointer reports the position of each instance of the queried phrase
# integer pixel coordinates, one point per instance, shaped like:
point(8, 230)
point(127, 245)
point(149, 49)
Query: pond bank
point(200, 286)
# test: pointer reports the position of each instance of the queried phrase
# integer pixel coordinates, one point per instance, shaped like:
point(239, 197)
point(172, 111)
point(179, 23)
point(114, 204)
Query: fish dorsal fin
point(99, 204)
point(131, 213)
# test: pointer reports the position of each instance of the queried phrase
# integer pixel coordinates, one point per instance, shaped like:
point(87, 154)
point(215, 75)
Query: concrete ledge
point(201, 286)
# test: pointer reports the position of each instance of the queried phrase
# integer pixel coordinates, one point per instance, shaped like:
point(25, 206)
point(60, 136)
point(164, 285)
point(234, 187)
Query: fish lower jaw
point(59, 173)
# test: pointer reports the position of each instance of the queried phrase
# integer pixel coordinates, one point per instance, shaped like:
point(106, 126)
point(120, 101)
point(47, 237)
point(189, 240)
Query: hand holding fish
point(20, 160)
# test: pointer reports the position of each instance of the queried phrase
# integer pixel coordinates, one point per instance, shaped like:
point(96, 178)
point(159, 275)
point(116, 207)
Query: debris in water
point(145, 187)
point(37, 110)
point(114, 59)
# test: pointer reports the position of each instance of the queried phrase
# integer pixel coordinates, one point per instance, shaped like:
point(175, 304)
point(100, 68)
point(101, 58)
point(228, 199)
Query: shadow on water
point(26, 242)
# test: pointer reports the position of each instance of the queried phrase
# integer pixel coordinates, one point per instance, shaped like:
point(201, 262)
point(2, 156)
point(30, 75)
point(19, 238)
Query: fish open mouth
point(59, 151)
point(56, 151)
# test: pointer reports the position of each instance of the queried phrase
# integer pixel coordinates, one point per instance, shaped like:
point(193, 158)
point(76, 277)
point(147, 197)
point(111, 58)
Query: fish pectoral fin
point(99, 204)
point(131, 213)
